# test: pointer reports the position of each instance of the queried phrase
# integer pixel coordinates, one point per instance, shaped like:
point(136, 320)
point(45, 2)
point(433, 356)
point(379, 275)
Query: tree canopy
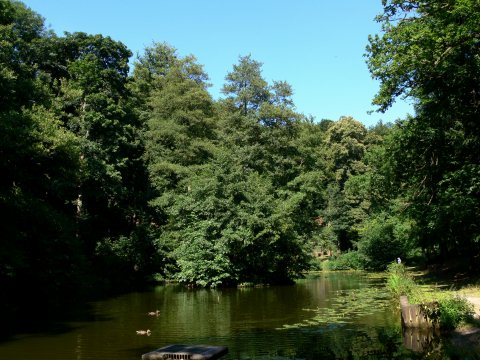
point(429, 51)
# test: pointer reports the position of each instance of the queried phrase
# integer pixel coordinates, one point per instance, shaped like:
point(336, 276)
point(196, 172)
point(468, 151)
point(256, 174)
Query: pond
point(326, 316)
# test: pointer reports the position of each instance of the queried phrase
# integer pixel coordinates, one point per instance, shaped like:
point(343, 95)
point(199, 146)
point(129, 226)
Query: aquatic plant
point(346, 307)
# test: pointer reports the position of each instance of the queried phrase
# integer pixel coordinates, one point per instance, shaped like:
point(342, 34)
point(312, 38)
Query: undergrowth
point(446, 309)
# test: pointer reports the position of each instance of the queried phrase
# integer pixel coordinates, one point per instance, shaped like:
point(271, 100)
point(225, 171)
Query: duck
point(144, 332)
point(154, 313)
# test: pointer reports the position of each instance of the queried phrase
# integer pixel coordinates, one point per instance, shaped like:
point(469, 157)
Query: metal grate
point(177, 356)
point(186, 352)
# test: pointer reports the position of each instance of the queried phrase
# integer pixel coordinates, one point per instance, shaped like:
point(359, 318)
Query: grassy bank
point(443, 297)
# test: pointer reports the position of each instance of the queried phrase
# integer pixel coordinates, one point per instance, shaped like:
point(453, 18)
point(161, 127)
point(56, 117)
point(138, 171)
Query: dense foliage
point(112, 177)
point(430, 51)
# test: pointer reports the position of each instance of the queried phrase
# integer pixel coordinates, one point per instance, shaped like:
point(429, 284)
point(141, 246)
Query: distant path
point(475, 300)
point(469, 336)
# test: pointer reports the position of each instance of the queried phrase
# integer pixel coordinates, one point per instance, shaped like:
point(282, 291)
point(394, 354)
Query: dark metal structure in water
point(186, 352)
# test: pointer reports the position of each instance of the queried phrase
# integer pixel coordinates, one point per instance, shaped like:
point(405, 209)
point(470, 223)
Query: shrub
point(316, 264)
point(351, 260)
point(399, 281)
point(384, 238)
point(454, 310)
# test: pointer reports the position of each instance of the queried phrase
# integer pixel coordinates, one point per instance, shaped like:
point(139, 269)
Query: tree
point(429, 52)
point(231, 227)
point(178, 131)
point(344, 148)
point(245, 85)
point(20, 30)
point(87, 77)
point(179, 115)
point(92, 103)
point(346, 141)
point(231, 194)
point(39, 159)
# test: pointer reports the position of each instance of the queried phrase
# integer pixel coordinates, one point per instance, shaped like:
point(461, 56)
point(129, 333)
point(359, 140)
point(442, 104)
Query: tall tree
point(89, 75)
point(179, 121)
point(346, 141)
point(179, 131)
point(237, 215)
point(344, 148)
point(262, 119)
point(245, 85)
point(20, 30)
point(38, 163)
point(429, 51)
point(92, 103)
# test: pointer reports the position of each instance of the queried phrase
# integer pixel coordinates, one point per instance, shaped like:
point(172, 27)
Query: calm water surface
point(329, 316)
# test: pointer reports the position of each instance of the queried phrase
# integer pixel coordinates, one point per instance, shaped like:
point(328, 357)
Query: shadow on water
point(31, 317)
point(43, 320)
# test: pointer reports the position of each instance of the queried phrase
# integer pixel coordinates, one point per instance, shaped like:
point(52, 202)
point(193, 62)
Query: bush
point(400, 282)
point(384, 238)
point(454, 310)
point(351, 260)
point(316, 264)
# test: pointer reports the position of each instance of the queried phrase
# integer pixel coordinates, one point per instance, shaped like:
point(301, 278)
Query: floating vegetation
point(346, 307)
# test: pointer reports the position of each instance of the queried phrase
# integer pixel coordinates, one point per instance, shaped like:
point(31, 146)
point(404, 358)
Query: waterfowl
point(154, 313)
point(144, 332)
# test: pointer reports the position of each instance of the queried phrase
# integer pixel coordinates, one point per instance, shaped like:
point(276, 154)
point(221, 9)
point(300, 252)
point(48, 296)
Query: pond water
point(326, 316)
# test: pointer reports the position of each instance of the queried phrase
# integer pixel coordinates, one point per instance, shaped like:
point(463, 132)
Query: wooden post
point(413, 315)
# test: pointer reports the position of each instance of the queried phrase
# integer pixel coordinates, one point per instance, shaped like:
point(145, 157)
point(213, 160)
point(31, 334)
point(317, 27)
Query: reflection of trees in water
point(243, 319)
point(324, 343)
point(440, 346)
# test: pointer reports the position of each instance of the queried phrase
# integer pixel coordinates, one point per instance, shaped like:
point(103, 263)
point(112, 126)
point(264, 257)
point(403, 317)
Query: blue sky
point(317, 46)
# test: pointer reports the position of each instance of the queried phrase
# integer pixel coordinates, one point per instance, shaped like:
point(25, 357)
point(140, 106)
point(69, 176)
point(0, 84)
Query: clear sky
point(317, 46)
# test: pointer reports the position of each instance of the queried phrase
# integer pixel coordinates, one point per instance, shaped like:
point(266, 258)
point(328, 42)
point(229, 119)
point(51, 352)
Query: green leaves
point(232, 224)
point(429, 52)
point(246, 86)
